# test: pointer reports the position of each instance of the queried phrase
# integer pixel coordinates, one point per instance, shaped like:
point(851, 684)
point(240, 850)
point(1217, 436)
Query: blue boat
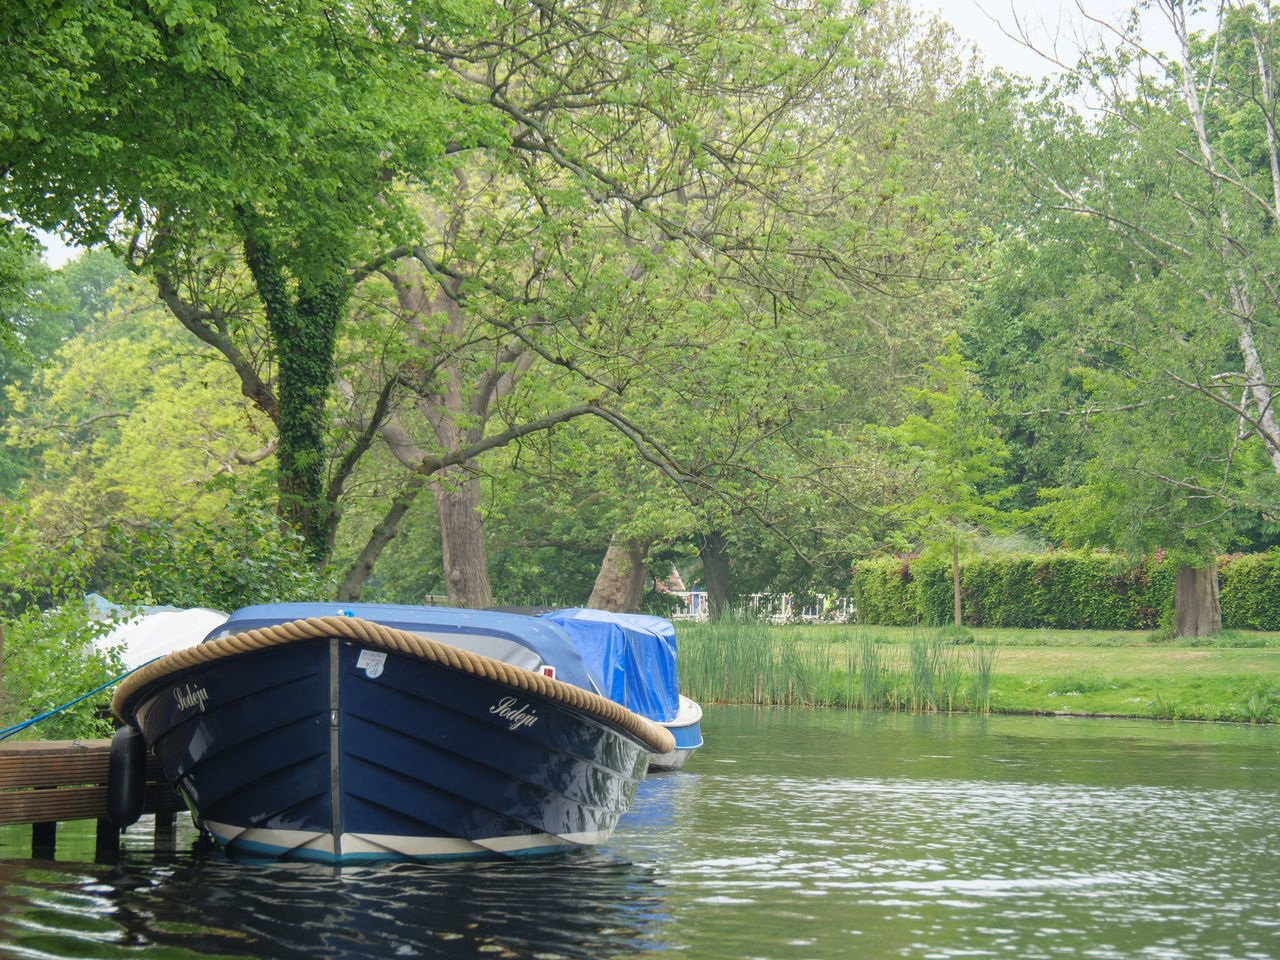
point(635, 657)
point(365, 732)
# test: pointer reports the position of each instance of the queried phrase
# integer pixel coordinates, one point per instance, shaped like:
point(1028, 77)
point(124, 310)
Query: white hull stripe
point(301, 841)
point(672, 760)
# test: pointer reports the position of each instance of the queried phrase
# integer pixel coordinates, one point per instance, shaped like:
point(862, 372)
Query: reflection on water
point(807, 835)
point(581, 906)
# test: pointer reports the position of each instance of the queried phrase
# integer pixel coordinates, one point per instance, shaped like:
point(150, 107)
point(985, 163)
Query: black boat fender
point(126, 776)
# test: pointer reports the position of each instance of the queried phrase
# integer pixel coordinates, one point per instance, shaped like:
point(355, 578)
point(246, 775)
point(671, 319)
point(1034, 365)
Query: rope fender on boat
point(656, 738)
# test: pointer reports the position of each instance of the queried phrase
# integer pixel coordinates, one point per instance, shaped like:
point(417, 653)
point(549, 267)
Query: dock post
point(43, 782)
point(44, 838)
point(106, 848)
point(166, 833)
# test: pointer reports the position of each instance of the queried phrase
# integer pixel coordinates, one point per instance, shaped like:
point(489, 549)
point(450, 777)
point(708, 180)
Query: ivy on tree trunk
point(303, 332)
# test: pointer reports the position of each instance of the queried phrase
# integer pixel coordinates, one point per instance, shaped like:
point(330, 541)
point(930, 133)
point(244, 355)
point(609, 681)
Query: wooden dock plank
point(56, 763)
point(43, 781)
point(77, 803)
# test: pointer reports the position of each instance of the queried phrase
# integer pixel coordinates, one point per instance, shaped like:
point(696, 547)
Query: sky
point(985, 22)
point(56, 253)
point(1046, 22)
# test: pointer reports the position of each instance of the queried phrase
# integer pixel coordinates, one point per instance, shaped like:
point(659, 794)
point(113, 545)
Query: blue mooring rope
point(7, 732)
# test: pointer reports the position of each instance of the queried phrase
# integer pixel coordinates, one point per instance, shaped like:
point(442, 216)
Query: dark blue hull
point(325, 750)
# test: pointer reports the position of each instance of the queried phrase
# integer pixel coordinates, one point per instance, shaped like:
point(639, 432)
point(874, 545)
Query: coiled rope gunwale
point(655, 737)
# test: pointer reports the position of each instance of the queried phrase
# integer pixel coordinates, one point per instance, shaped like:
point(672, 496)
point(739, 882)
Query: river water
point(793, 835)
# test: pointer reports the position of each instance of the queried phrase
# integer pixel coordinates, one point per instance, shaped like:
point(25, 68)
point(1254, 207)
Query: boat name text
point(188, 698)
point(518, 715)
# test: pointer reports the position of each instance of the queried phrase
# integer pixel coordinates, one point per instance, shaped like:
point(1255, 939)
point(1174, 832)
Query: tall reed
point(870, 673)
point(921, 680)
point(982, 665)
point(739, 661)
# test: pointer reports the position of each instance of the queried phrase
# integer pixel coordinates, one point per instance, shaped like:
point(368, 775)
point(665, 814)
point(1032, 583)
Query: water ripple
point(827, 836)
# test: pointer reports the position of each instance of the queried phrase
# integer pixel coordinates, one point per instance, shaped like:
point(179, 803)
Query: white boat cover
point(158, 631)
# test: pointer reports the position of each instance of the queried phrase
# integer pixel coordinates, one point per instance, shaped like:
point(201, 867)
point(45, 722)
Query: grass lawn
point(1146, 681)
point(1232, 676)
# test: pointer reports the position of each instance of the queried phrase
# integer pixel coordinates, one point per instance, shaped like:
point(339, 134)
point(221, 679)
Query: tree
point(950, 455)
point(20, 271)
point(631, 176)
point(125, 422)
point(700, 220)
point(55, 307)
point(313, 109)
point(1169, 190)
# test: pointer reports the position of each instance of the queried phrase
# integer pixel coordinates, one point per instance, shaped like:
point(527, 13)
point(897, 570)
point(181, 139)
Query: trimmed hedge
point(1249, 588)
point(1078, 590)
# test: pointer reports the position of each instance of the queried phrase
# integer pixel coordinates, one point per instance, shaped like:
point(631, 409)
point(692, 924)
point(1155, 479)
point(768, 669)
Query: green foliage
point(1263, 705)
point(33, 573)
point(951, 457)
point(676, 234)
point(50, 659)
point(57, 306)
point(198, 112)
point(1018, 331)
point(168, 128)
point(49, 656)
point(20, 270)
point(952, 454)
point(885, 592)
point(1132, 322)
point(125, 418)
point(1063, 590)
point(244, 558)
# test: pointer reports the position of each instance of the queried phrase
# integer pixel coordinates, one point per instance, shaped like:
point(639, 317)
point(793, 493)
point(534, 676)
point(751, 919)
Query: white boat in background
point(154, 631)
point(686, 727)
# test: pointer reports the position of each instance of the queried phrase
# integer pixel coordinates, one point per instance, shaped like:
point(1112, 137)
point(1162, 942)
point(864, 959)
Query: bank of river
point(1234, 676)
point(794, 835)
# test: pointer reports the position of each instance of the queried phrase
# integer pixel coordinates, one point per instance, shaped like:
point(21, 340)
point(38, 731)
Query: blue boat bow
point(344, 739)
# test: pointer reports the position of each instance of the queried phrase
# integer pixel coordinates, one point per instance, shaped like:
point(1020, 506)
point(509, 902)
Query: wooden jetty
point(43, 782)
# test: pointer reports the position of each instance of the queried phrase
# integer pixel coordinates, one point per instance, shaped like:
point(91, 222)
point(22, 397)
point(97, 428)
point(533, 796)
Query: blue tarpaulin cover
point(634, 655)
point(547, 642)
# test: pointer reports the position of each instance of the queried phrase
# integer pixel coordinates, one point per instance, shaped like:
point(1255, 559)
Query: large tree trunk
point(466, 565)
point(714, 551)
point(619, 585)
point(464, 387)
point(1196, 603)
